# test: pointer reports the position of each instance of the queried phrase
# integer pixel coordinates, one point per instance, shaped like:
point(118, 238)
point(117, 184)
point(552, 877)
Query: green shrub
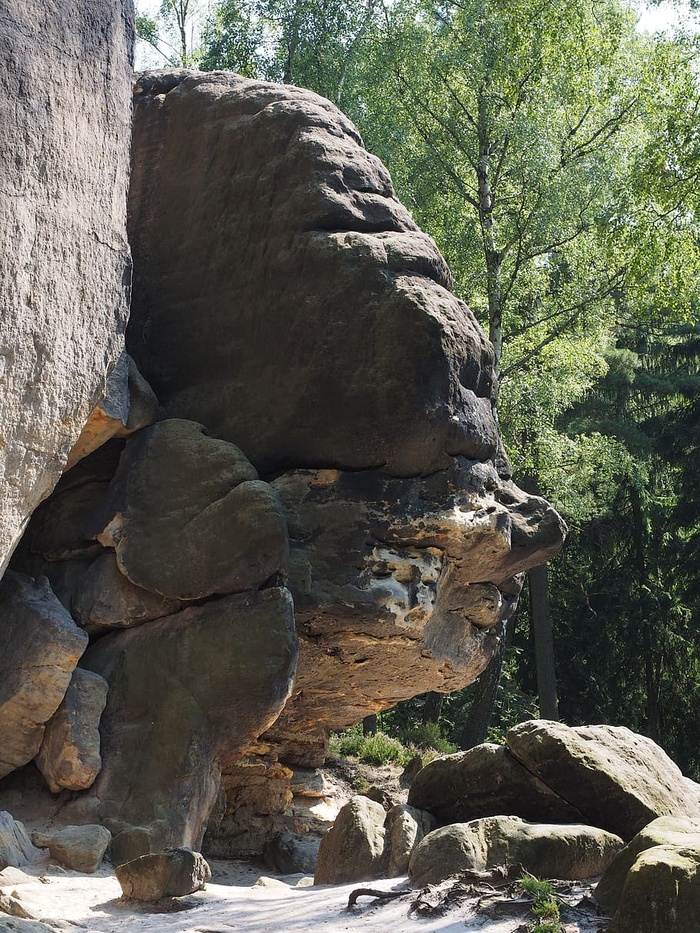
point(380, 748)
point(544, 905)
point(428, 735)
point(347, 744)
point(373, 749)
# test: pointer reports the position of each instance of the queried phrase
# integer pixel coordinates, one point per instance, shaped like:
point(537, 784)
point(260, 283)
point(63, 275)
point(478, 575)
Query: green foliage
point(544, 906)
point(347, 744)
point(427, 736)
point(378, 749)
point(313, 43)
point(233, 40)
point(173, 34)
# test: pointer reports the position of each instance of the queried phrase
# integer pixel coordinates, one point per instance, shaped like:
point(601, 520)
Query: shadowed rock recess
point(316, 519)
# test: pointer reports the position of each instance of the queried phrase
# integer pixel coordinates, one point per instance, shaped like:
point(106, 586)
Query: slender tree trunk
point(538, 578)
point(485, 688)
point(492, 255)
point(292, 45)
point(181, 16)
point(652, 673)
point(432, 709)
point(369, 725)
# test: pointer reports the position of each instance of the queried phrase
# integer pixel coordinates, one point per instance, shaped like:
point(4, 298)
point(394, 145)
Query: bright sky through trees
point(653, 18)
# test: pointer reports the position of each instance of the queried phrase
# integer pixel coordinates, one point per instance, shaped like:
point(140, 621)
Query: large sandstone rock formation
point(667, 832)
point(64, 259)
point(396, 575)
point(291, 306)
point(40, 645)
point(324, 469)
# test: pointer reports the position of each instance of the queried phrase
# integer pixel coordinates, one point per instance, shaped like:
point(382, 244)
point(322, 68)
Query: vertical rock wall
point(65, 107)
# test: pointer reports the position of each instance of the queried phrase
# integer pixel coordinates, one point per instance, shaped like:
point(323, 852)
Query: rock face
point(661, 892)
point(365, 842)
point(405, 827)
point(667, 831)
point(187, 693)
point(78, 848)
point(64, 259)
point(619, 780)
point(128, 404)
point(69, 756)
point(388, 575)
point(547, 851)
point(485, 781)
point(188, 517)
point(40, 645)
point(16, 848)
point(604, 776)
point(364, 358)
point(353, 849)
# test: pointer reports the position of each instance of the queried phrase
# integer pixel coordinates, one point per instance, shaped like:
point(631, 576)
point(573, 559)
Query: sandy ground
point(240, 898)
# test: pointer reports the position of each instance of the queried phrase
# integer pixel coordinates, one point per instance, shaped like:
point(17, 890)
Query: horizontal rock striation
point(389, 578)
point(284, 297)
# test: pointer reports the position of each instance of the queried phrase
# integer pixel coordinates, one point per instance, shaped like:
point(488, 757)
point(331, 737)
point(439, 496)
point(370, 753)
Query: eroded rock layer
point(64, 259)
point(400, 587)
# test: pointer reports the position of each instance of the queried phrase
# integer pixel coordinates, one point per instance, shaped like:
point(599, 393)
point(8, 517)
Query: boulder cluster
point(554, 801)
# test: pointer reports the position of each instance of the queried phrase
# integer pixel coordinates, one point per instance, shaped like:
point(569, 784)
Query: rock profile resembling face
point(285, 299)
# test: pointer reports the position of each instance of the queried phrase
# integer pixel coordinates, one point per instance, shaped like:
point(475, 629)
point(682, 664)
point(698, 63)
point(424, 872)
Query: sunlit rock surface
point(64, 259)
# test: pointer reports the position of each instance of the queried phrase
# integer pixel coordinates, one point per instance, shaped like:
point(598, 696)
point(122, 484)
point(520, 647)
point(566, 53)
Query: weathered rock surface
point(128, 404)
point(174, 872)
point(69, 756)
point(16, 848)
point(364, 359)
point(486, 781)
point(57, 535)
point(188, 517)
point(18, 925)
point(40, 645)
point(78, 848)
point(353, 849)
point(255, 792)
point(666, 831)
point(548, 851)
point(290, 853)
point(187, 694)
point(383, 571)
point(405, 828)
point(63, 250)
point(285, 302)
point(366, 842)
point(619, 780)
point(102, 597)
point(661, 893)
